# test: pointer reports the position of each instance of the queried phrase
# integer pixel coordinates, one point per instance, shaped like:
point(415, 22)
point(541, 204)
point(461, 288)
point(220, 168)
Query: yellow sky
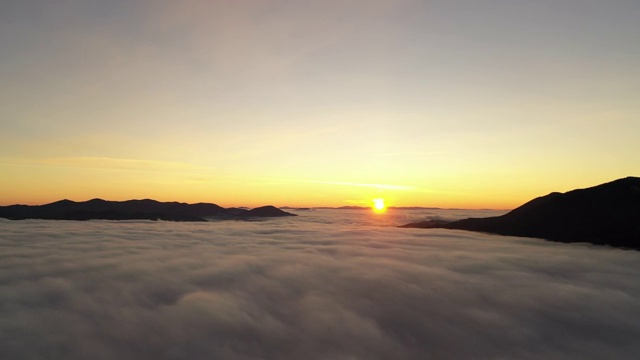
point(450, 104)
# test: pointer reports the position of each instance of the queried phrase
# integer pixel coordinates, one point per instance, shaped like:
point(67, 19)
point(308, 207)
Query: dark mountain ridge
point(145, 209)
point(607, 214)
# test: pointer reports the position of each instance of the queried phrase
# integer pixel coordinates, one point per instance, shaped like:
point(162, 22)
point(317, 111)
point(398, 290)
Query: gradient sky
point(456, 103)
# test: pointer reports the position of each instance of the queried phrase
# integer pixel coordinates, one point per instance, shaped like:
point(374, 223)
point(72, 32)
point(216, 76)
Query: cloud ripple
point(290, 289)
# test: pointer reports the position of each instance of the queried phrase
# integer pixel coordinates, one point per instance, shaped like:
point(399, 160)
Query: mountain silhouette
point(145, 209)
point(607, 214)
point(265, 211)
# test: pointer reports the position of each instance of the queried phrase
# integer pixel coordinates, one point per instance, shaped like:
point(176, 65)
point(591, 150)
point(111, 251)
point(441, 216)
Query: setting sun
point(378, 205)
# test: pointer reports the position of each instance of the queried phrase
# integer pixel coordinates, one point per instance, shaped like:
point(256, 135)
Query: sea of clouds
point(308, 288)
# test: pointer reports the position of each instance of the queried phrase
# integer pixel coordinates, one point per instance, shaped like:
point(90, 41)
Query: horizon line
point(314, 207)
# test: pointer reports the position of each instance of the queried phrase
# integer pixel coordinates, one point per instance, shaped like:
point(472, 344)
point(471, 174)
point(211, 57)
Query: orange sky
point(448, 104)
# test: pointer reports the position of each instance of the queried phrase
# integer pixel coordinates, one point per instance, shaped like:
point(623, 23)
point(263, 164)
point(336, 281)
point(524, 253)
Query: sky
point(466, 103)
point(287, 289)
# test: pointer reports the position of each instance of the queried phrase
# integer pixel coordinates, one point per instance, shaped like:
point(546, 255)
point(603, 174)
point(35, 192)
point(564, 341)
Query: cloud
point(377, 186)
point(122, 164)
point(300, 289)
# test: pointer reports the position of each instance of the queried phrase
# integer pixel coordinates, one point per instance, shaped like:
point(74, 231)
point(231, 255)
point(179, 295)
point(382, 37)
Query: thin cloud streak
point(377, 186)
point(117, 164)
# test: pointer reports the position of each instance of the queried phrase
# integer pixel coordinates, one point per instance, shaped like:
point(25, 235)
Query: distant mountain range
point(604, 214)
point(353, 207)
point(134, 210)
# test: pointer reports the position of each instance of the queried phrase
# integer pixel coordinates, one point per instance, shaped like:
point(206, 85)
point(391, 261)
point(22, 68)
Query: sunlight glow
point(379, 205)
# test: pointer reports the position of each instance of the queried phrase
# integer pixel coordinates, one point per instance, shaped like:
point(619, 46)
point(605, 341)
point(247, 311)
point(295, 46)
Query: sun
point(379, 206)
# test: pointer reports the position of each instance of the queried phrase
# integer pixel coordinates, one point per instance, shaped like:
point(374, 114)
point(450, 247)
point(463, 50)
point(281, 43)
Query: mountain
point(146, 209)
point(607, 214)
point(265, 211)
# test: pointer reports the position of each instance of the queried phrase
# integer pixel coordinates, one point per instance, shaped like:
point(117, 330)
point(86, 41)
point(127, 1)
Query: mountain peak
point(133, 209)
point(604, 214)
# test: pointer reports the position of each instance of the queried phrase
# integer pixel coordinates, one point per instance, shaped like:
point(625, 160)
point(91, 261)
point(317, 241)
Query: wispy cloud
point(140, 165)
point(376, 186)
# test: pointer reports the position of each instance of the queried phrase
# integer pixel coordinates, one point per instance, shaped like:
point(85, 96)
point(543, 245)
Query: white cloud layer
point(302, 289)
